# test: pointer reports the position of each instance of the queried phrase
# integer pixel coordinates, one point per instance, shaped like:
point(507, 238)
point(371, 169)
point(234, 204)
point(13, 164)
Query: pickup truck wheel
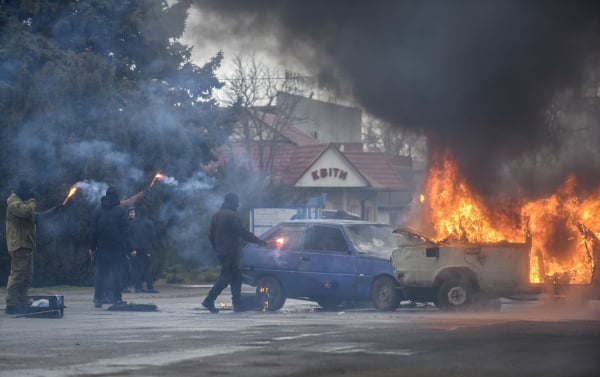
point(455, 294)
point(384, 295)
point(270, 293)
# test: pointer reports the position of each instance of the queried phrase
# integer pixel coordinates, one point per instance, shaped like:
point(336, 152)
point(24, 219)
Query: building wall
point(327, 122)
point(341, 125)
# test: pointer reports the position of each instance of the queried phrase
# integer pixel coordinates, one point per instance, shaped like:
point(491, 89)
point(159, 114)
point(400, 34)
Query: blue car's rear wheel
point(270, 293)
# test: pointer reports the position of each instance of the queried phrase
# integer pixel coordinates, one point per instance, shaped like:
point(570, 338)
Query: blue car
point(327, 261)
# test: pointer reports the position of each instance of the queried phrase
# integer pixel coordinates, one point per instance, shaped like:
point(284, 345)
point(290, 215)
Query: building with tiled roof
point(368, 184)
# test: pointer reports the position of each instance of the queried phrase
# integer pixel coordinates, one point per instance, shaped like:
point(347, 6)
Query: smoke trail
point(92, 190)
point(186, 215)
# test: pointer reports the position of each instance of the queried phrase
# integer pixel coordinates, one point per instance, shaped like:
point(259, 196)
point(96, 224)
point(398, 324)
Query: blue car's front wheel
point(384, 295)
point(270, 293)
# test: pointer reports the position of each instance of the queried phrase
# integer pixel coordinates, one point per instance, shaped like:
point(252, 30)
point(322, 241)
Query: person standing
point(109, 242)
point(125, 272)
point(21, 220)
point(225, 231)
point(143, 237)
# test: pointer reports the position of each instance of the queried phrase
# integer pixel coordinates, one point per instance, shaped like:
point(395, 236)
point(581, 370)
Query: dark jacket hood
point(24, 190)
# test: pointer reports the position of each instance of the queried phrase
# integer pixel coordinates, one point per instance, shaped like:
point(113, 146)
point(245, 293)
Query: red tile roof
point(291, 162)
point(294, 156)
point(302, 158)
point(377, 168)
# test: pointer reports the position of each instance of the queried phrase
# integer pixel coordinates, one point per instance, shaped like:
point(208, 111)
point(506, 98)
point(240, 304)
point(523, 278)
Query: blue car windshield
point(374, 239)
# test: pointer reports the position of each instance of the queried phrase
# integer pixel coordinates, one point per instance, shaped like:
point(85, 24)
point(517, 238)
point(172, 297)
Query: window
point(288, 237)
point(376, 239)
point(354, 206)
point(325, 238)
point(369, 213)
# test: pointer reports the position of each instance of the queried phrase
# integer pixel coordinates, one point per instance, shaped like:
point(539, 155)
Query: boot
point(210, 305)
point(237, 305)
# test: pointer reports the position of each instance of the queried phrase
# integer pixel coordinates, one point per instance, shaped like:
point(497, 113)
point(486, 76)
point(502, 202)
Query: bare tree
point(264, 114)
point(394, 141)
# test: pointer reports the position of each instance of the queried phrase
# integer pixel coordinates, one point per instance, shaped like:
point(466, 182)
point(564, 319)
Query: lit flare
point(72, 192)
point(279, 242)
point(157, 177)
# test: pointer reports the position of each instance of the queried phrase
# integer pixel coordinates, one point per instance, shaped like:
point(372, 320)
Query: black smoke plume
point(479, 78)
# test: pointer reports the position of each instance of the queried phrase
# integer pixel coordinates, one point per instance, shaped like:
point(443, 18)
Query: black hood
point(111, 198)
point(24, 190)
point(232, 201)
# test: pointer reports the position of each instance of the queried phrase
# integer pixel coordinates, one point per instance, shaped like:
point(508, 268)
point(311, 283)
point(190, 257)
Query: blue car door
point(280, 258)
point(327, 266)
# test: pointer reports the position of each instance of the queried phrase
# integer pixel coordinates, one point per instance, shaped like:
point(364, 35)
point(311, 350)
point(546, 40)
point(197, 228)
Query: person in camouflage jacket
point(21, 223)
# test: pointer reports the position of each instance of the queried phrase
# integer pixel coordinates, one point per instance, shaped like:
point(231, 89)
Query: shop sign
point(329, 173)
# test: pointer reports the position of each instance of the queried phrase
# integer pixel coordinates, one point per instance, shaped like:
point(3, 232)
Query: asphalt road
point(546, 337)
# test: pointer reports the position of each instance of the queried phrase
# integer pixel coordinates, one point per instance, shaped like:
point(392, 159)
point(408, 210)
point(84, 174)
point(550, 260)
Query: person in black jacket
point(225, 231)
point(109, 241)
point(143, 236)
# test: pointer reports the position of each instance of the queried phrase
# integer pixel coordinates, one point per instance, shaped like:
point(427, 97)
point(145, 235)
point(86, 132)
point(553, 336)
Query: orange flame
point(72, 192)
point(157, 177)
point(559, 248)
point(267, 295)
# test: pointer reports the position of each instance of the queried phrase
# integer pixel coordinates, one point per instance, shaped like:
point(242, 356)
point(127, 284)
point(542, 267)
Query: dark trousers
point(109, 269)
point(142, 269)
point(126, 272)
point(230, 275)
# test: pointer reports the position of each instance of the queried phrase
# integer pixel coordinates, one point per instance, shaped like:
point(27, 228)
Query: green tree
point(102, 90)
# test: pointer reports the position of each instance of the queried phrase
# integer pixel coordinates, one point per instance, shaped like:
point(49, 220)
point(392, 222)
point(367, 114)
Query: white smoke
point(92, 191)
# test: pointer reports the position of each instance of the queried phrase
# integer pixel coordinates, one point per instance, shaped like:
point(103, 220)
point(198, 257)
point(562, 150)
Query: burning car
point(482, 245)
point(459, 274)
point(454, 275)
point(327, 261)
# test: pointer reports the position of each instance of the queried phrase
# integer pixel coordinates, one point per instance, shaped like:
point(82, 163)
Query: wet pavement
point(546, 337)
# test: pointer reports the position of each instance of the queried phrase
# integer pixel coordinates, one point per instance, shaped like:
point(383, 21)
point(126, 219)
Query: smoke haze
point(477, 77)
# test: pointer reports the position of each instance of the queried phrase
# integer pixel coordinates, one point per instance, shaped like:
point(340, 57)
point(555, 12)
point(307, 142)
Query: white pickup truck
point(456, 276)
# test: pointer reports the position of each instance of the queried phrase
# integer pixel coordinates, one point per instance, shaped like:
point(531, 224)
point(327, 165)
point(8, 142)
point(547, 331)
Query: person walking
point(109, 242)
point(21, 224)
point(143, 237)
point(225, 231)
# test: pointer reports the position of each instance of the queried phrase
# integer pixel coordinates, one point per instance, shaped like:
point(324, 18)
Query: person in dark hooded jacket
point(143, 237)
point(109, 242)
point(226, 229)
